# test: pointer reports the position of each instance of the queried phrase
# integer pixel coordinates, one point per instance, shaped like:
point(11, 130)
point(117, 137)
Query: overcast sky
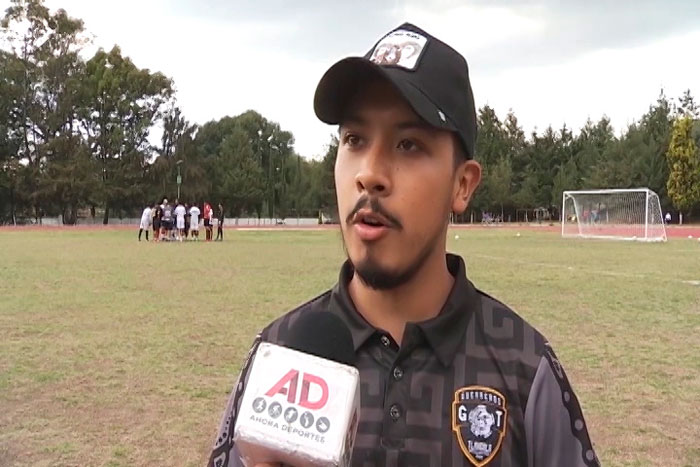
point(550, 61)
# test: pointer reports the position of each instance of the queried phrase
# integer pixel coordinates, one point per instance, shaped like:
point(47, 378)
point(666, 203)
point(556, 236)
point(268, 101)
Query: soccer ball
point(690, 237)
point(517, 234)
point(456, 237)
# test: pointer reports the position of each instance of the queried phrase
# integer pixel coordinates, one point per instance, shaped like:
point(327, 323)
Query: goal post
point(620, 214)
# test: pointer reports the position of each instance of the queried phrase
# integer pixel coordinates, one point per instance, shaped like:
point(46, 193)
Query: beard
point(375, 276)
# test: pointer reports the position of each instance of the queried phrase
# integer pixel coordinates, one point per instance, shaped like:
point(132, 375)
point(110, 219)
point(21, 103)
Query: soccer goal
point(621, 214)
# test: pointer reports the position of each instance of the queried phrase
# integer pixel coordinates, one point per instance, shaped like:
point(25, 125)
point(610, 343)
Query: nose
point(373, 176)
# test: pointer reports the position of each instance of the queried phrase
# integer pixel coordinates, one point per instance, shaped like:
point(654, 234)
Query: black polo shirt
point(476, 385)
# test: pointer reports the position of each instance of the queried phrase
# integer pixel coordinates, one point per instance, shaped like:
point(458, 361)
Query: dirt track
point(674, 231)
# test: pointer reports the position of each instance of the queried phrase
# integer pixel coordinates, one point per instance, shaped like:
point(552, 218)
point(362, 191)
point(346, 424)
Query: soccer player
point(180, 212)
point(166, 220)
point(194, 222)
point(208, 215)
point(157, 214)
point(145, 222)
point(220, 223)
point(187, 220)
point(450, 376)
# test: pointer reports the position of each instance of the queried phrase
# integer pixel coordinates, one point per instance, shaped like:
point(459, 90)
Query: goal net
point(623, 214)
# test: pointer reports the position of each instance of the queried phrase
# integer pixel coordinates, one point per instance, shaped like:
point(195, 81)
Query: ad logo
point(288, 386)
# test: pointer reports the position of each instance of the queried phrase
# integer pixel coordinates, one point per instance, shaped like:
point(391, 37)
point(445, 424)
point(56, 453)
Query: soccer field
point(119, 353)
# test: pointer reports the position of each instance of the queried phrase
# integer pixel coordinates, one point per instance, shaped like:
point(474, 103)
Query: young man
point(166, 220)
point(180, 212)
point(220, 223)
point(208, 215)
point(157, 214)
point(194, 222)
point(449, 375)
point(188, 217)
point(145, 222)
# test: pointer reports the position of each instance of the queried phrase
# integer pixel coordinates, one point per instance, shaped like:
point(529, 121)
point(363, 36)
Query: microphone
point(301, 403)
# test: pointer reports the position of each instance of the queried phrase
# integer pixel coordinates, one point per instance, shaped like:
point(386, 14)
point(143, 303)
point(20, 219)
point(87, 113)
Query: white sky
point(551, 61)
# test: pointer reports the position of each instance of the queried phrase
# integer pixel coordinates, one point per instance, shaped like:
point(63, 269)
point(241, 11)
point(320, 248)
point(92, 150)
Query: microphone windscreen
point(323, 334)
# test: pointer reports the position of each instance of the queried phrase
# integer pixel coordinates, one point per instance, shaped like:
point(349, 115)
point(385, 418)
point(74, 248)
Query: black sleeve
point(555, 430)
point(224, 453)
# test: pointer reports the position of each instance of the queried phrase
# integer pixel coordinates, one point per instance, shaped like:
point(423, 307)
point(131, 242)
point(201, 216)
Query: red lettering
point(306, 383)
point(291, 379)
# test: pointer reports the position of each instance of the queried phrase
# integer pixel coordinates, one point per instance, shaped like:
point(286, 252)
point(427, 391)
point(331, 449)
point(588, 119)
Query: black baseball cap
point(429, 74)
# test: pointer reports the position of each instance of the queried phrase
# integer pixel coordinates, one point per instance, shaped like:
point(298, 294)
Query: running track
point(674, 231)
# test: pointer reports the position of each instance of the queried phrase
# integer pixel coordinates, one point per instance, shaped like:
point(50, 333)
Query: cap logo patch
point(479, 420)
point(399, 48)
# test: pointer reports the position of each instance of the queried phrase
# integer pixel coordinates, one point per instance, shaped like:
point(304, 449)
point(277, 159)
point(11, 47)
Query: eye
point(408, 145)
point(351, 140)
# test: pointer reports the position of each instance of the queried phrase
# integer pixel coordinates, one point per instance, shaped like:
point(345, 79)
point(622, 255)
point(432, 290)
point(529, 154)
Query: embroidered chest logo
point(479, 420)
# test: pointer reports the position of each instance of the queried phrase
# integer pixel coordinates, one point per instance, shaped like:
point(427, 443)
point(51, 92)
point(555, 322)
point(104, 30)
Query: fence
point(232, 222)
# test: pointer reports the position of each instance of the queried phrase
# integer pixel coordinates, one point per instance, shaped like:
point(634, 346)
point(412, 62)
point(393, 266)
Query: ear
point(466, 180)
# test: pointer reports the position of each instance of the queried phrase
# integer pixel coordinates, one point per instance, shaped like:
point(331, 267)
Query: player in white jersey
point(145, 222)
point(194, 222)
point(180, 212)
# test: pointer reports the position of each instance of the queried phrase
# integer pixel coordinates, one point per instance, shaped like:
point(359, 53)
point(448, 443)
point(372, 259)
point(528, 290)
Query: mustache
point(376, 208)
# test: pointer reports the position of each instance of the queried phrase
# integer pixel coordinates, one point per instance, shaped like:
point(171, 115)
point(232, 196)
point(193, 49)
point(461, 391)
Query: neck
point(419, 299)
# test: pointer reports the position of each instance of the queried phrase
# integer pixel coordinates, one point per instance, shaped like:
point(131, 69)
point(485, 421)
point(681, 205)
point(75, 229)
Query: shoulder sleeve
point(224, 453)
point(555, 430)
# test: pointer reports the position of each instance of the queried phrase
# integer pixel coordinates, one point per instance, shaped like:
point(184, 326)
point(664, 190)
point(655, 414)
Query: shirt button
point(395, 412)
point(385, 341)
point(398, 373)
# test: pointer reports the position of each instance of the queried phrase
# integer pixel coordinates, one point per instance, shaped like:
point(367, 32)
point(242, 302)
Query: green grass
point(119, 353)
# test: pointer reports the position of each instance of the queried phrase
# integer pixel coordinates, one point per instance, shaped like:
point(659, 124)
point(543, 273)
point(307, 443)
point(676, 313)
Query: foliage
point(684, 164)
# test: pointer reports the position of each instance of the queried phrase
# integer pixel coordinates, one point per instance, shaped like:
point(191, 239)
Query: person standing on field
point(180, 213)
point(187, 220)
point(194, 222)
point(145, 222)
point(166, 220)
point(208, 216)
point(220, 223)
point(157, 213)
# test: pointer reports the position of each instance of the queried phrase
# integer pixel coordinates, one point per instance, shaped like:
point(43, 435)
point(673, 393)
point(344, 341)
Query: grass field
point(118, 353)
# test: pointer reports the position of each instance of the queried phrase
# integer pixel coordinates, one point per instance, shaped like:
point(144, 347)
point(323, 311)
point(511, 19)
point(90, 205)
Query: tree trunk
point(70, 215)
point(105, 219)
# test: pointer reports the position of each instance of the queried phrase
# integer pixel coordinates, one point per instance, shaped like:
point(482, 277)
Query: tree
point(498, 182)
point(688, 106)
point(122, 103)
point(684, 166)
point(43, 71)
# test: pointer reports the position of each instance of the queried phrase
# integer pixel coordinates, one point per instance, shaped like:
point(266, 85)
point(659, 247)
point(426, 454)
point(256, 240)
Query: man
point(188, 217)
point(194, 222)
point(449, 375)
point(157, 214)
point(145, 222)
point(668, 217)
point(166, 220)
point(208, 215)
point(220, 223)
point(180, 212)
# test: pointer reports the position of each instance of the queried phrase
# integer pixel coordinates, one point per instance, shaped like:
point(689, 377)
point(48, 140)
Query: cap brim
point(343, 80)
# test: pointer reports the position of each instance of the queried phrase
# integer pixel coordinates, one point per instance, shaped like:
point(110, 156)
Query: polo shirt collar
point(444, 332)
